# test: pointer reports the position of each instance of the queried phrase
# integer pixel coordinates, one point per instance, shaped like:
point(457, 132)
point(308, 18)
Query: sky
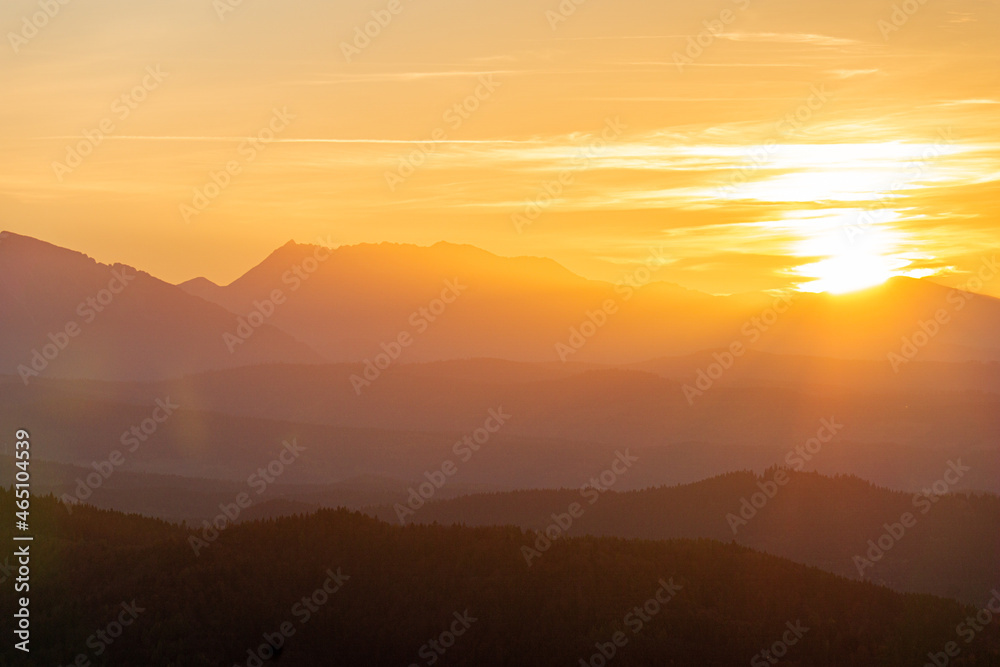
point(755, 144)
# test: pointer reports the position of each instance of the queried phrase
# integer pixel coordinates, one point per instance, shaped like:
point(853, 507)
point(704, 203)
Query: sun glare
point(849, 255)
point(849, 272)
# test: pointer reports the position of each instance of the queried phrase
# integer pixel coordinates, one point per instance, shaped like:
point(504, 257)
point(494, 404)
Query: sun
point(850, 272)
point(849, 257)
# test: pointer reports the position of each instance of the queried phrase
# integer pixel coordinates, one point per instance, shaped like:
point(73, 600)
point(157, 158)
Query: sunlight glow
point(849, 272)
point(852, 256)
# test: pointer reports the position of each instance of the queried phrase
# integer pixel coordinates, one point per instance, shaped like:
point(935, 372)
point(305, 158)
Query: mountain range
point(380, 367)
point(66, 316)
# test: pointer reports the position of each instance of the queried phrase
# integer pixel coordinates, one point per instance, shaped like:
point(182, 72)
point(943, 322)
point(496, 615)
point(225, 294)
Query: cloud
point(850, 73)
point(788, 38)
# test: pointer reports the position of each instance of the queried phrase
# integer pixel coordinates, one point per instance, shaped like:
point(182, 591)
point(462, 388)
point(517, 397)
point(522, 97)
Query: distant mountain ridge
point(65, 314)
point(537, 304)
point(365, 295)
point(310, 304)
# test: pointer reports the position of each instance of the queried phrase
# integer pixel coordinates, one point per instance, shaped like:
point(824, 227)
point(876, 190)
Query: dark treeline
point(401, 587)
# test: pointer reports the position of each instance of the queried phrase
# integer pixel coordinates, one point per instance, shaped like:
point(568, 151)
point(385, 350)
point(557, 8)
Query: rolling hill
point(336, 588)
point(820, 521)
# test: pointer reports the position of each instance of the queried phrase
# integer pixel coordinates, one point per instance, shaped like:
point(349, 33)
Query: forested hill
point(394, 596)
point(810, 518)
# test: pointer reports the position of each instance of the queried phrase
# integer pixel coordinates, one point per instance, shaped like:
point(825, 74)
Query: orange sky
point(699, 159)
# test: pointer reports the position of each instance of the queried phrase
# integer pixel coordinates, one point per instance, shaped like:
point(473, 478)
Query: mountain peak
point(202, 287)
point(198, 282)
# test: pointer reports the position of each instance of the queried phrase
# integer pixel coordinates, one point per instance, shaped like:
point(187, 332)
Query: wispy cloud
point(788, 38)
point(851, 73)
